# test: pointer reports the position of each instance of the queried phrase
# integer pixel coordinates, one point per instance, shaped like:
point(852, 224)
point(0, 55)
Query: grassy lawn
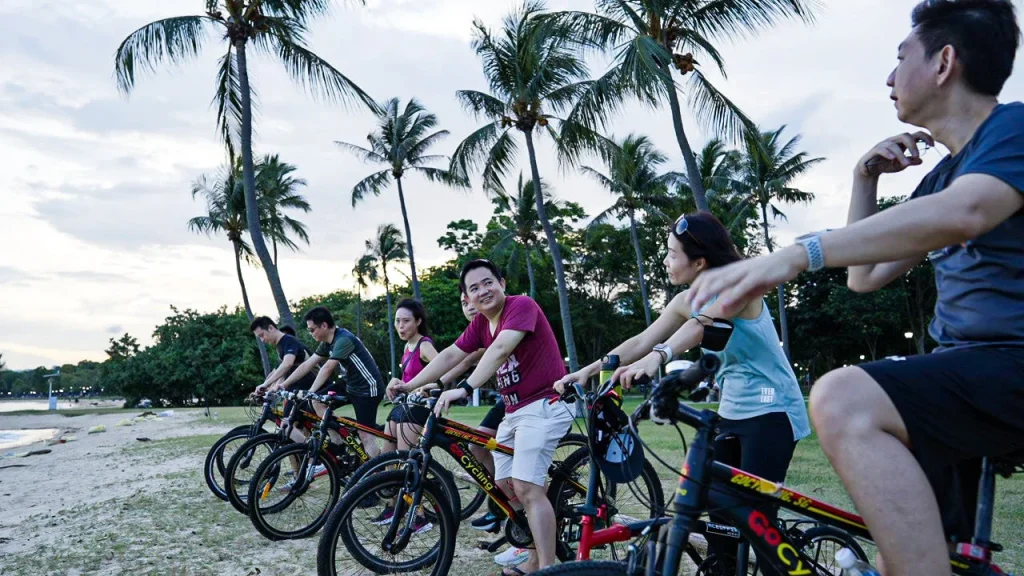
point(172, 525)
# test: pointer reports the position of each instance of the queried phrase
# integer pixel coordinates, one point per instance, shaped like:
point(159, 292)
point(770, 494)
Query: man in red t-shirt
point(522, 352)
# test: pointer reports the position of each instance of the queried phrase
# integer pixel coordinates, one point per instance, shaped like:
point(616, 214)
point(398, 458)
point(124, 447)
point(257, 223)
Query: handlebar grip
point(690, 378)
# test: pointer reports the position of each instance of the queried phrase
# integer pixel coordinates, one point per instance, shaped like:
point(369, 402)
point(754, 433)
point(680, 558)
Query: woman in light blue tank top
point(763, 410)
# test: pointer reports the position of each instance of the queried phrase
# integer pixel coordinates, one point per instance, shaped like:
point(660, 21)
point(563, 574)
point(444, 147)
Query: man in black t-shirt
point(290, 350)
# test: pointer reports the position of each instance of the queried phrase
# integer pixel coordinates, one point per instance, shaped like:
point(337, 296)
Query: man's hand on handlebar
point(645, 367)
point(578, 377)
point(395, 387)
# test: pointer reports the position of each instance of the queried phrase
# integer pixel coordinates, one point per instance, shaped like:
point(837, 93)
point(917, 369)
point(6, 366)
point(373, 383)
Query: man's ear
point(945, 59)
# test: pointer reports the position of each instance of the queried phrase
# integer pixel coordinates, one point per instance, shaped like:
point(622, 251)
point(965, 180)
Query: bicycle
point(237, 476)
point(302, 460)
point(215, 464)
point(749, 502)
point(464, 482)
point(367, 547)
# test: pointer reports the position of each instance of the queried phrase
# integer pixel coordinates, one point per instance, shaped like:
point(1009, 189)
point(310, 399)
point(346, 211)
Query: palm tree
point(633, 176)
point(225, 213)
point(533, 72)
point(385, 249)
point(768, 167)
point(365, 273)
point(518, 234)
point(277, 190)
point(401, 141)
point(271, 26)
point(648, 37)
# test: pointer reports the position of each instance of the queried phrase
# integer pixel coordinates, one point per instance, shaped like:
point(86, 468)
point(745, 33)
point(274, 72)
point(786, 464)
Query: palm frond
point(372, 184)
point(228, 100)
point(481, 104)
point(442, 176)
point(175, 40)
point(364, 154)
point(318, 76)
point(716, 112)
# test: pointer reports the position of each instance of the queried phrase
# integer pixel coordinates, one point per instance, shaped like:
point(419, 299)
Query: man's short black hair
point(473, 265)
point(261, 322)
point(984, 33)
point(318, 316)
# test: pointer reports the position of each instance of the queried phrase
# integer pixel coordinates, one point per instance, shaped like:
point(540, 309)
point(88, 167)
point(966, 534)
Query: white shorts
point(533, 432)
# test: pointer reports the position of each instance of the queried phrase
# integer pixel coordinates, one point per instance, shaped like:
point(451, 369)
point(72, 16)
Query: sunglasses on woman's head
point(682, 226)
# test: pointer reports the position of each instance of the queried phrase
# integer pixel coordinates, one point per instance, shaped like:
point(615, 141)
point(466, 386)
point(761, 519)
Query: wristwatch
point(815, 254)
point(665, 351)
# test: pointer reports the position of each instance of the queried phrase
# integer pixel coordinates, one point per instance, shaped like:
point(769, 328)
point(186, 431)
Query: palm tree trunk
point(408, 240)
point(640, 267)
point(275, 251)
point(252, 211)
point(391, 327)
point(359, 313)
point(529, 273)
point(692, 171)
point(556, 256)
point(780, 289)
point(264, 359)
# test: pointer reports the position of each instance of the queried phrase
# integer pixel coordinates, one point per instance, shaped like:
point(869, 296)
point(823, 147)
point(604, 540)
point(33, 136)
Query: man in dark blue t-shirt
point(290, 351)
point(906, 435)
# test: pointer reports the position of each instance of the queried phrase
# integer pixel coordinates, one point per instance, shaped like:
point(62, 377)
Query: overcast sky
point(95, 194)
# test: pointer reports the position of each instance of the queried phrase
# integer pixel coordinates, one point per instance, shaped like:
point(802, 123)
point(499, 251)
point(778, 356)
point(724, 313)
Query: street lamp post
point(909, 336)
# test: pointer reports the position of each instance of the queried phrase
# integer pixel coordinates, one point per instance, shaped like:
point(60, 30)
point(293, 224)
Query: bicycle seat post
point(986, 497)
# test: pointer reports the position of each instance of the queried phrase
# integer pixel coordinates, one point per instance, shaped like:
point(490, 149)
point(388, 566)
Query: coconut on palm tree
point(225, 214)
point(365, 273)
point(517, 231)
point(633, 177)
point(276, 27)
point(401, 141)
point(385, 249)
point(653, 38)
point(764, 180)
point(534, 72)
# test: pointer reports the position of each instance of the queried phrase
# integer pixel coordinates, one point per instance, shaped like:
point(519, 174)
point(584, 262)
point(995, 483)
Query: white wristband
point(815, 254)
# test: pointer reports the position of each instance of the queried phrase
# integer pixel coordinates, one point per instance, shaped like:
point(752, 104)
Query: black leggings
point(762, 445)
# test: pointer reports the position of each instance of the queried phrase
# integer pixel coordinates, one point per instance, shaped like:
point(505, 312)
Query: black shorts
point(409, 414)
point(958, 407)
point(366, 409)
point(494, 416)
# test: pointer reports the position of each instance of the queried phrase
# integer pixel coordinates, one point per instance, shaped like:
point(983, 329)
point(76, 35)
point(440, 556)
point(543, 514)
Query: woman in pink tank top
point(411, 326)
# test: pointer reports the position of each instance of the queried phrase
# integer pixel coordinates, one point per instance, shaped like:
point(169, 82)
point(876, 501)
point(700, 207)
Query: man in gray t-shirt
point(906, 435)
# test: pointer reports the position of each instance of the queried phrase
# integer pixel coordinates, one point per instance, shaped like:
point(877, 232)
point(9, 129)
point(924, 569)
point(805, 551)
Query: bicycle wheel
point(239, 471)
point(394, 461)
point(213, 466)
point(640, 500)
point(283, 506)
point(361, 531)
point(820, 544)
point(588, 568)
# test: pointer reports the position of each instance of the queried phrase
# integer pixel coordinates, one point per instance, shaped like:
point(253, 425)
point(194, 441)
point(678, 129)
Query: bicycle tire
point(213, 466)
point(560, 495)
point(394, 460)
point(236, 484)
point(265, 478)
point(586, 568)
point(819, 534)
point(339, 527)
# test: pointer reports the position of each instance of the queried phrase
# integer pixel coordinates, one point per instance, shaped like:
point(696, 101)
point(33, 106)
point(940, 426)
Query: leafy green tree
point(385, 250)
point(463, 237)
point(276, 27)
point(401, 141)
point(648, 38)
point(633, 177)
point(765, 178)
point(533, 73)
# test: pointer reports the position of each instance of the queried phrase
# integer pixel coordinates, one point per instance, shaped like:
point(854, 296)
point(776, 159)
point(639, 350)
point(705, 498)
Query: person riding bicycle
point(290, 350)
point(521, 349)
point(906, 434)
point(762, 408)
point(406, 423)
point(340, 350)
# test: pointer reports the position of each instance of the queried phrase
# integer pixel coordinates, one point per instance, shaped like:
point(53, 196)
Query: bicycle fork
point(409, 497)
point(688, 501)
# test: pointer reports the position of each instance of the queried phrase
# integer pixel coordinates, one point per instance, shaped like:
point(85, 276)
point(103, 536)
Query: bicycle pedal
point(493, 546)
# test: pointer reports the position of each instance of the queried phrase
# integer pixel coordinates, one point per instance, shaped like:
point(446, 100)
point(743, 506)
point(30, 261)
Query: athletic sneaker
point(317, 471)
point(488, 523)
point(421, 525)
point(368, 502)
point(385, 516)
point(512, 557)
